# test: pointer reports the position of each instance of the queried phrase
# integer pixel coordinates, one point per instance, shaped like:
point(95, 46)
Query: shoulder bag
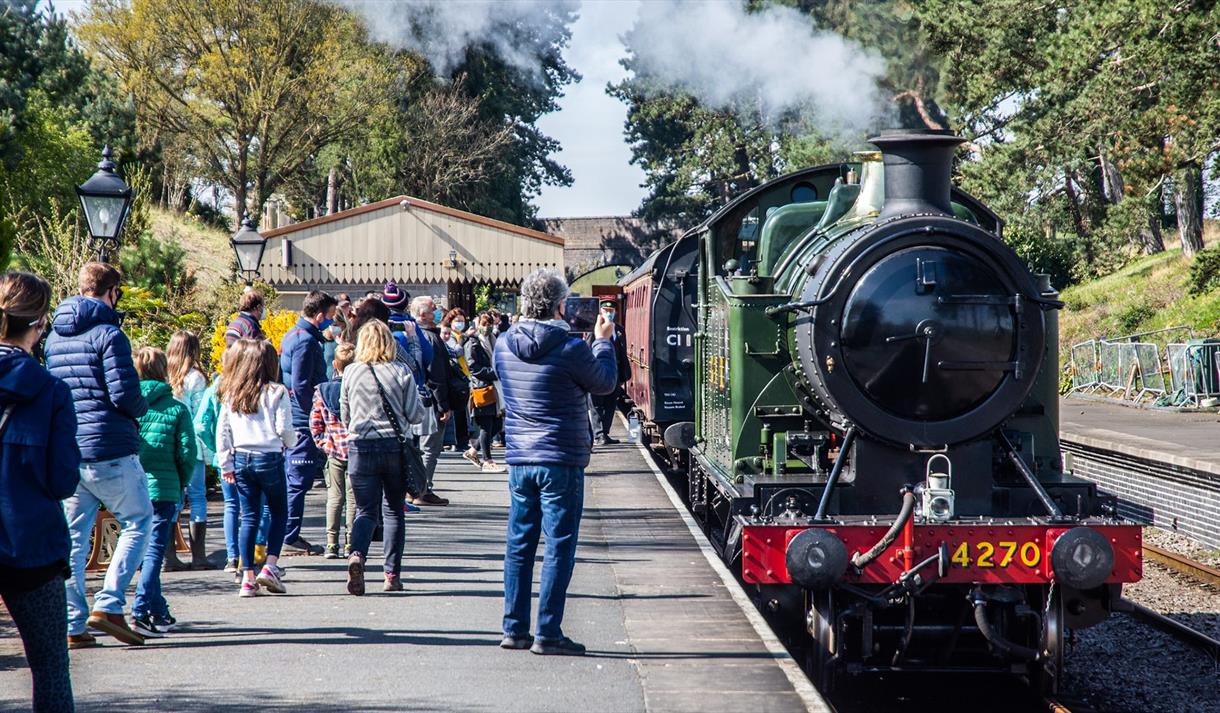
point(415, 475)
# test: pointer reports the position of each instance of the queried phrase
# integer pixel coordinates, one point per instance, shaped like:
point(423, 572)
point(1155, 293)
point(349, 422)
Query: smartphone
point(580, 313)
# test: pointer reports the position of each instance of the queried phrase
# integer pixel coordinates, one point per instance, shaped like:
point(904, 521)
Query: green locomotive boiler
point(875, 442)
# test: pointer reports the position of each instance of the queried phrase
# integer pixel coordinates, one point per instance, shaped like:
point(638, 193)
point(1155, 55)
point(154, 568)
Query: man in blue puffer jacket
point(302, 368)
point(89, 352)
point(547, 375)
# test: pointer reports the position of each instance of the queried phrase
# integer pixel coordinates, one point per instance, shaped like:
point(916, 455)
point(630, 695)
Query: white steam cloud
point(442, 30)
point(774, 62)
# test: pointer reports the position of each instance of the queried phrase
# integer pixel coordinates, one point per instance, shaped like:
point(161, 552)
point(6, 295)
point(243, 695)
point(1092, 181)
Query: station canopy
point(406, 240)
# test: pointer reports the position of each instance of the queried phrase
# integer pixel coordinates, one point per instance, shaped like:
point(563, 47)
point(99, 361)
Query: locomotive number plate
point(986, 555)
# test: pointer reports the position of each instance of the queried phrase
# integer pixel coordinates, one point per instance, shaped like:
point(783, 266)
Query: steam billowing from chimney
point(774, 61)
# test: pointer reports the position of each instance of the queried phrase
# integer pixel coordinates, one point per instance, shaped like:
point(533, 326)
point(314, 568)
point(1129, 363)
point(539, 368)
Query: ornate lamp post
point(106, 200)
point(249, 246)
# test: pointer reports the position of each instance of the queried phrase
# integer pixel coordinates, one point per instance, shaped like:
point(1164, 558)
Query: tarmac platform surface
point(1186, 439)
point(665, 627)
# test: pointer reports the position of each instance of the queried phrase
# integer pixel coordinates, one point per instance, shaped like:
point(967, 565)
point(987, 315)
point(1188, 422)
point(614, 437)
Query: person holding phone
point(546, 374)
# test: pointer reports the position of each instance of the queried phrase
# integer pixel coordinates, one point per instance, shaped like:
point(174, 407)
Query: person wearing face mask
point(88, 350)
point(39, 467)
point(251, 309)
point(459, 376)
point(602, 413)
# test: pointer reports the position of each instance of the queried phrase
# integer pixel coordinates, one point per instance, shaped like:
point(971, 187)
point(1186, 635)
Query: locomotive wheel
point(1045, 675)
point(823, 644)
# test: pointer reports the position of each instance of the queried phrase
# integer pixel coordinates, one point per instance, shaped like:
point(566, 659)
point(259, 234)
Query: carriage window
point(804, 193)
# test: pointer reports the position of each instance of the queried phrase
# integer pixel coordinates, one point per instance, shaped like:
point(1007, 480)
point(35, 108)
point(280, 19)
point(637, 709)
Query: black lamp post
point(249, 246)
point(106, 200)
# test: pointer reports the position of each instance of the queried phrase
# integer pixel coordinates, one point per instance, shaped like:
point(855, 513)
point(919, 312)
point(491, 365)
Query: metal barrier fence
point(1148, 367)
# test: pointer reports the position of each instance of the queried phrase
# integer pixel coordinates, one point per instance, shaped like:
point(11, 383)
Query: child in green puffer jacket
point(168, 454)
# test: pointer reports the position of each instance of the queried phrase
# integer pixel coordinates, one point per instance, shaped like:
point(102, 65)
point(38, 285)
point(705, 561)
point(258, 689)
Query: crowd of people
point(368, 392)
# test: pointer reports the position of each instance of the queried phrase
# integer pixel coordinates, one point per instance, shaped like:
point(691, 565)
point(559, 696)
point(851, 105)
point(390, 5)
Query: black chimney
point(918, 164)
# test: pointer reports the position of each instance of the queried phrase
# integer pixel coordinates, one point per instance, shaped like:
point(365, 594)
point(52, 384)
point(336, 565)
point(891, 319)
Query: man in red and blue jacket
point(302, 368)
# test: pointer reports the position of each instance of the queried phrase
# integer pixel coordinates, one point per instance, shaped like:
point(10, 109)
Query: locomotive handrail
point(1029, 476)
point(848, 439)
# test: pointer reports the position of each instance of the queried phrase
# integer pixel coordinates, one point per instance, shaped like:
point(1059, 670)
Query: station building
point(428, 249)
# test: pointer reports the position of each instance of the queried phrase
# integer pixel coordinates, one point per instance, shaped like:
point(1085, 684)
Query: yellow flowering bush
point(275, 325)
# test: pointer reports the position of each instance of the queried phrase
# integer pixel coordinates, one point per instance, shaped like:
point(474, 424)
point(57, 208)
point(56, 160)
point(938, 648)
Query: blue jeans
point(197, 494)
point(260, 475)
point(304, 467)
point(149, 600)
point(545, 499)
point(121, 486)
point(374, 469)
point(232, 520)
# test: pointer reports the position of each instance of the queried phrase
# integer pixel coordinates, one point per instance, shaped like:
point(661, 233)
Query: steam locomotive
point(855, 376)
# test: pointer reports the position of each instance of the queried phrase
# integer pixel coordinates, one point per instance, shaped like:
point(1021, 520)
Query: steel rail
point(1185, 565)
point(1192, 637)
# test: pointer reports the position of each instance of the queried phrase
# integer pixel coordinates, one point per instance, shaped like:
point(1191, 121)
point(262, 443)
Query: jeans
point(375, 469)
point(430, 448)
point(488, 425)
point(149, 600)
point(339, 499)
point(197, 494)
point(232, 520)
point(545, 499)
point(121, 486)
point(304, 467)
point(39, 616)
point(259, 476)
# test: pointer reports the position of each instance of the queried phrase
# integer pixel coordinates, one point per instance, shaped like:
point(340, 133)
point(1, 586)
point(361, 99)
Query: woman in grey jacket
point(376, 437)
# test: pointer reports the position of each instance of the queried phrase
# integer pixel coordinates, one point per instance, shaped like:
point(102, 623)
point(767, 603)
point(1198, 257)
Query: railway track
point(1197, 571)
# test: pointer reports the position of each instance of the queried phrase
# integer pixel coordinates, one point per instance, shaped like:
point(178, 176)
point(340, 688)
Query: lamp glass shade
point(249, 246)
point(105, 214)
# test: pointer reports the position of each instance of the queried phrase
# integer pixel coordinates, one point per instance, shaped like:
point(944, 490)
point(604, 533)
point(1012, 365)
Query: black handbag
point(416, 475)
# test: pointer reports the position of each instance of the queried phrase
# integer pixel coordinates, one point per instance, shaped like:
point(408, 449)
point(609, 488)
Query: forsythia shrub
point(275, 326)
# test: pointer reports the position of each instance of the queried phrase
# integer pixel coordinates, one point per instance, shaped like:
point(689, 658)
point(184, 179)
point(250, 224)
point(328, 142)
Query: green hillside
point(1148, 294)
point(207, 248)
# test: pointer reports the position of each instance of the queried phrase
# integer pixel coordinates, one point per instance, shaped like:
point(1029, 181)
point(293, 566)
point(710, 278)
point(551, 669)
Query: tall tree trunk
point(1150, 236)
point(1111, 179)
point(1188, 199)
point(1069, 187)
point(332, 197)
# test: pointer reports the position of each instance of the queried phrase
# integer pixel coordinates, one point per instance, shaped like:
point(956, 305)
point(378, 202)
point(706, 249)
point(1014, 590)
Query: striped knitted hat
point(394, 297)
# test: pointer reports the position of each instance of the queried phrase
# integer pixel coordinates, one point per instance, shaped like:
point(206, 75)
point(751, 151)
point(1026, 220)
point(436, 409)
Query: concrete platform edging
point(809, 695)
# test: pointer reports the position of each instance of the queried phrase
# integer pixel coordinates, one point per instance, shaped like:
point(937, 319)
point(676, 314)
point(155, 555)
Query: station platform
point(1163, 466)
point(667, 629)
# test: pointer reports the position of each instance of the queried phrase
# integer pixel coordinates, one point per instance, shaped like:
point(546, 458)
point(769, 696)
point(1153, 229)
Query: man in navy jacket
point(546, 375)
point(89, 352)
point(302, 368)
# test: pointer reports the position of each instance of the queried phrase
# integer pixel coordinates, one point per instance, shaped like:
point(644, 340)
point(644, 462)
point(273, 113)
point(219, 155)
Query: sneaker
point(270, 578)
point(392, 584)
point(347, 549)
point(599, 441)
point(145, 627)
point(609, 441)
point(165, 623)
point(430, 498)
point(301, 546)
point(490, 466)
point(82, 641)
point(231, 565)
point(355, 575)
point(237, 577)
point(332, 552)
point(562, 647)
point(473, 456)
point(249, 589)
point(116, 626)
point(516, 642)
point(408, 507)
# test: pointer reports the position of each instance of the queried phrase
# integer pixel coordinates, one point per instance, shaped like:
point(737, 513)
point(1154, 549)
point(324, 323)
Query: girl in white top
point(189, 384)
point(252, 432)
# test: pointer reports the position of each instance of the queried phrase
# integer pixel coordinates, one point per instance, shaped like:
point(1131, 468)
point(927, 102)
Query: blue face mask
point(326, 324)
point(610, 316)
point(459, 326)
point(438, 314)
